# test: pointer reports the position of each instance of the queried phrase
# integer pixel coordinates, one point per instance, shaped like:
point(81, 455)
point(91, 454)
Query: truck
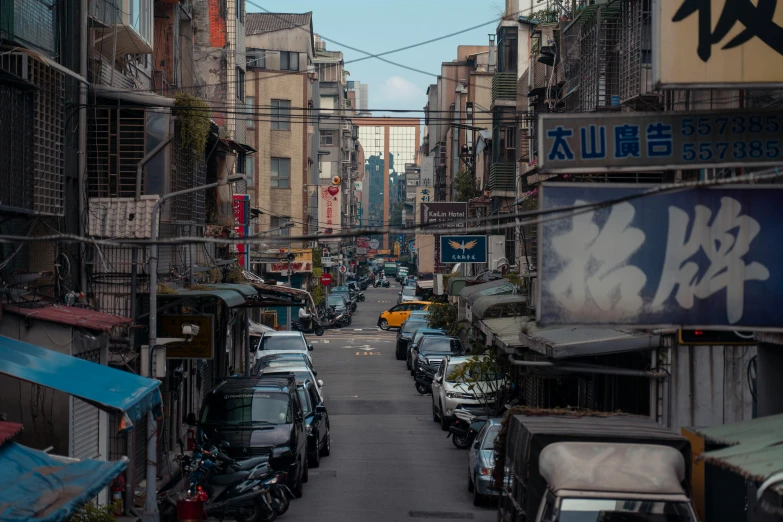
point(609, 467)
point(390, 268)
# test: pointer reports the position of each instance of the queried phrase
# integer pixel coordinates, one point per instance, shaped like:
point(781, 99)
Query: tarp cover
point(36, 486)
point(105, 387)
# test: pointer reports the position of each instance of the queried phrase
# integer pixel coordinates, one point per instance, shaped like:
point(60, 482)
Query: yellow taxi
point(395, 316)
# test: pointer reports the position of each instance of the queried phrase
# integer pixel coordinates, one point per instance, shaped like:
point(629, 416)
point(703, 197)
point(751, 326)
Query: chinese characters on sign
point(653, 141)
point(329, 218)
point(714, 261)
point(718, 42)
point(463, 249)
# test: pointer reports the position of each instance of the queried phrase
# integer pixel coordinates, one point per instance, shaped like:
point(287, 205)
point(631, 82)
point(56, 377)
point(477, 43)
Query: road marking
point(368, 353)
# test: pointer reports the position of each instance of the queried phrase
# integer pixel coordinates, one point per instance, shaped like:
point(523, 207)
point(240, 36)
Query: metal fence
point(635, 55)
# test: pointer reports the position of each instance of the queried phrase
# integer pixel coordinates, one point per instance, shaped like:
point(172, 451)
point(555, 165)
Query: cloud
point(397, 88)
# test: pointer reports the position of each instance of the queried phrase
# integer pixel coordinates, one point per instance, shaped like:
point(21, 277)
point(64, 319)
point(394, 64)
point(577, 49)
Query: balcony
point(504, 87)
point(501, 177)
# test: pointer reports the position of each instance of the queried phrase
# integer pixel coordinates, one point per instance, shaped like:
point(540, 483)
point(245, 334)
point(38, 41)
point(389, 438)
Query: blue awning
point(37, 486)
point(107, 388)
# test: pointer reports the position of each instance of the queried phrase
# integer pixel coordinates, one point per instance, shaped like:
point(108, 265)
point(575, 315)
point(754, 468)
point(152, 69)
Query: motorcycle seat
point(248, 464)
point(229, 478)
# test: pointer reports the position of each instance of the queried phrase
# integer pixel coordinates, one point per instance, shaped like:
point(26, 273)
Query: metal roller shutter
point(85, 422)
point(140, 446)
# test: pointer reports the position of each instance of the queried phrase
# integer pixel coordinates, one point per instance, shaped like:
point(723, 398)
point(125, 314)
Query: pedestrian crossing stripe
point(368, 353)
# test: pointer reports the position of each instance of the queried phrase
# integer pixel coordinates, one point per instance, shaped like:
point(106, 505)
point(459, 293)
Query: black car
point(260, 416)
point(319, 440)
point(404, 335)
point(339, 302)
point(432, 349)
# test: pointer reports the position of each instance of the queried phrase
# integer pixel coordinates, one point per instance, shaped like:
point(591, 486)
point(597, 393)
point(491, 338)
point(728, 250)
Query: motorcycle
point(377, 283)
point(465, 427)
point(386, 283)
point(360, 297)
point(315, 327)
point(332, 319)
point(424, 380)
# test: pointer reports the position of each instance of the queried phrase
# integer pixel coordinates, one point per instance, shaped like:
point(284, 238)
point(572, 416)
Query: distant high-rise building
point(361, 90)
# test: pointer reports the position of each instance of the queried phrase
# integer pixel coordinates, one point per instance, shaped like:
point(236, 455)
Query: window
point(250, 171)
point(277, 228)
point(241, 12)
point(256, 59)
point(289, 61)
point(327, 137)
point(139, 15)
point(281, 173)
point(250, 111)
point(240, 165)
point(281, 115)
point(240, 84)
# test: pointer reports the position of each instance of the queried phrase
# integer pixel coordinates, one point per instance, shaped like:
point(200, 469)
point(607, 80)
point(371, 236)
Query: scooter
point(465, 427)
point(315, 327)
point(424, 380)
point(386, 283)
point(331, 319)
point(377, 283)
point(360, 297)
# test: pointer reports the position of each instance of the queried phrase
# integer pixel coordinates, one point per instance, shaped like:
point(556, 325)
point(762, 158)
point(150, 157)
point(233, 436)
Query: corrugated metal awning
point(577, 341)
point(70, 315)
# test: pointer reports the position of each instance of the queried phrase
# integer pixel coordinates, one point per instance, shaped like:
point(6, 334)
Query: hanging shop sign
point(329, 204)
point(444, 214)
point(463, 249)
point(302, 263)
point(717, 44)
point(200, 346)
point(705, 259)
point(573, 143)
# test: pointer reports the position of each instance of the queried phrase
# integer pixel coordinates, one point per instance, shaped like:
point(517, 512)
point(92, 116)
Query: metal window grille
point(115, 145)
point(635, 55)
point(189, 169)
point(16, 147)
point(30, 22)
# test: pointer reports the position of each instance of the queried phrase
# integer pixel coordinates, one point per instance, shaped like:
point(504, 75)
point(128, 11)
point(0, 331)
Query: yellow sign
point(710, 44)
point(384, 252)
point(201, 346)
point(396, 248)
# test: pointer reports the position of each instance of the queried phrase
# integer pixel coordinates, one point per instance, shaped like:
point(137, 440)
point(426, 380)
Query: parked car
point(405, 333)
point(432, 349)
point(319, 442)
point(300, 371)
point(419, 313)
point(481, 462)
point(270, 343)
point(449, 393)
point(395, 316)
point(259, 416)
point(406, 295)
point(340, 303)
point(416, 338)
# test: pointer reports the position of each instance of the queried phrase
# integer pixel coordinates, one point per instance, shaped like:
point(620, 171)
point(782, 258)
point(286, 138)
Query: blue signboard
point(463, 249)
point(706, 258)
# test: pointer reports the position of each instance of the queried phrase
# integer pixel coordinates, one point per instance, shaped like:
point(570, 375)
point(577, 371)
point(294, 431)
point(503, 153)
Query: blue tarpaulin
point(36, 486)
point(106, 388)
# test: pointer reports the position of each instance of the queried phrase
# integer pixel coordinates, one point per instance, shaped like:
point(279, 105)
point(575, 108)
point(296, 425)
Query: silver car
point(481, 463)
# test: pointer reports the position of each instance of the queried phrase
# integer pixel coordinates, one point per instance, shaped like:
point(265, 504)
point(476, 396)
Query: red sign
point(342, 269)
point(326, 279)
point(241, 216)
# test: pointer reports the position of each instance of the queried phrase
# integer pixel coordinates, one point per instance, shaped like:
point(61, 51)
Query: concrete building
point(389, 144)
point(361, 94)
point(280, 90)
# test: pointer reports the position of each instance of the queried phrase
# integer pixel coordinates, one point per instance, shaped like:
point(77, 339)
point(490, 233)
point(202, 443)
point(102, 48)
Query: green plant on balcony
point(466, 187)
point(193, 120)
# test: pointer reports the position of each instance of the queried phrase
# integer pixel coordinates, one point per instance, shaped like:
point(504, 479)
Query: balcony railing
point(501, 176)
point(504, 86)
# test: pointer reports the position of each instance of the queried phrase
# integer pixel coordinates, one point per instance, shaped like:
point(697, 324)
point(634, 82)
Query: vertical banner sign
point(706, 259)
point(242, 219)
point(638, 141)
point(443, 215)
point(329, 205)
point(717, 44)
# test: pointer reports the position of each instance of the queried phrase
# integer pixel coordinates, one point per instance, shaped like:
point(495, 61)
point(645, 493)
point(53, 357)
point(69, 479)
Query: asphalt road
point(389, 460)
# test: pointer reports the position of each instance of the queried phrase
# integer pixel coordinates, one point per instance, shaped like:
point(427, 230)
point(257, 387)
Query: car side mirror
point(320, 383)
point(310, 347)
point(190, 419)
point(321, 408)
point(476, 445)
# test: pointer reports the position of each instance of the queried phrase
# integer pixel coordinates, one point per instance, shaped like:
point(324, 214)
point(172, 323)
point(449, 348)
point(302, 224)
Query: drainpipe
point(150, 513)
point(590, 368)
point(82, 162)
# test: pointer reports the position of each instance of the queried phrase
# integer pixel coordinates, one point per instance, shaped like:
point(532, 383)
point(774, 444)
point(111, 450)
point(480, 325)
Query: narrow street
point(389, 461)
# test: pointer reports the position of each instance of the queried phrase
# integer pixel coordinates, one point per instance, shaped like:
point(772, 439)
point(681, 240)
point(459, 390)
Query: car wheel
point(384, 325)
point(315, 457)
point(398, 355)
point(408, 362)
point(434, 413)
point(306, 474)
point(470, 484)
point(444, 424)
point(477, 499)
point(327, 449)
point(319, 331)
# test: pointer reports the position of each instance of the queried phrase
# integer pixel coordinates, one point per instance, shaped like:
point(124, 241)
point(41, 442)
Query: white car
point(301, 371)
point(271, 343)
point(407, 294)
point(449, 394)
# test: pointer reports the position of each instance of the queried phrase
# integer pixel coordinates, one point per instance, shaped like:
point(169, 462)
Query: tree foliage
point(92, 512)
point(466, 186)
point(444, 317)
point(484, 377)
point(395, 214)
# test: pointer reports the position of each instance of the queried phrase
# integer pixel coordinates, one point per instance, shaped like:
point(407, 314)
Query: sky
point(376, 26)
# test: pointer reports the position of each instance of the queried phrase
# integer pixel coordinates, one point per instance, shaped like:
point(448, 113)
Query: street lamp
point(150, 503)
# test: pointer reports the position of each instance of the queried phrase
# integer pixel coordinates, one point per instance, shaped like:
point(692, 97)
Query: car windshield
point(625, 510)
point(489, 440)
point(283, 343)
point(336, 300)
point(412, 326)
point(245, 408)
point(473, 373)
point(409, 291)
point(440, 344)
